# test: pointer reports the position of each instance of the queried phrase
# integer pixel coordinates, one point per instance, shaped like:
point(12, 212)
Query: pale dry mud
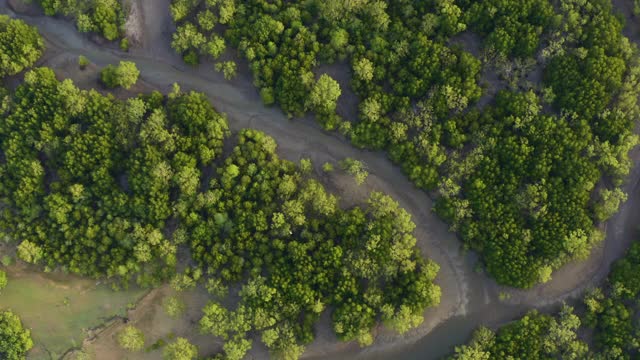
point(150, 317)
point(296, 139)
point(468, 299)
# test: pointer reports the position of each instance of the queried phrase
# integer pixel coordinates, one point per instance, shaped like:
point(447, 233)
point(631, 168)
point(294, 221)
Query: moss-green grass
point(60, 308)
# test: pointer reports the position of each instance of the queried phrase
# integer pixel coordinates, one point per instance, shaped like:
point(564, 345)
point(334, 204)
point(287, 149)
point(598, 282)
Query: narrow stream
point(469, 299)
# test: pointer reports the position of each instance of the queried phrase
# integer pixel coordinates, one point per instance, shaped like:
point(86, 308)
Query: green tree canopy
point(180, 349)
point(20, 46)
point(15, 341)
point(124, 75)
point(324, 95)
point(130, 338)
point(106, 17)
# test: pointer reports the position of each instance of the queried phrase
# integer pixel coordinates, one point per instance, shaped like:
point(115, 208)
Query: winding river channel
point(469, 299)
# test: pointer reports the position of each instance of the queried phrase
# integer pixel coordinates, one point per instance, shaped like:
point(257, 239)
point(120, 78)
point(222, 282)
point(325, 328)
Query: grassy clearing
point(60, 308)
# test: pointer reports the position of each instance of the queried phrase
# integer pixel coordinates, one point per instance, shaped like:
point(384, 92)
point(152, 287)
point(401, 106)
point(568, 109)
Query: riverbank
point(468, 298)
point(296, 139)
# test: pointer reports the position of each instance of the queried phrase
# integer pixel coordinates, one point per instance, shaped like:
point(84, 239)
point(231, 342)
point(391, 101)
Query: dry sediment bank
point(466, 296)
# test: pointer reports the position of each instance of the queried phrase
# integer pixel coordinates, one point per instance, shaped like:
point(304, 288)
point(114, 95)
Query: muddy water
point(468, 300)
point(456, 330)
point(296, 139)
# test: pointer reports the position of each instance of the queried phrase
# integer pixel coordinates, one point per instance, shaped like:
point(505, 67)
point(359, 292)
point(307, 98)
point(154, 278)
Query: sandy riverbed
point(465, 293)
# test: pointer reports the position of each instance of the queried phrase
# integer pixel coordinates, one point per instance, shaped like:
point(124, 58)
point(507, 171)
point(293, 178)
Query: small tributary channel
point(469, 299)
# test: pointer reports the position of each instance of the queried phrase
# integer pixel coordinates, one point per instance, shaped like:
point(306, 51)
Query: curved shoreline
point(465, 294)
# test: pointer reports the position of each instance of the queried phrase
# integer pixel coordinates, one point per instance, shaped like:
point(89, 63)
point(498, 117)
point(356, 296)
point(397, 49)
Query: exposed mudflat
point(468, 299)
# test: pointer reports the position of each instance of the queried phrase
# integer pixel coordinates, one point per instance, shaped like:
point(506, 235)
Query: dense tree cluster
point(20, 46)
point(526, 195)
point(607, 322)
point(510, 28)
point(67, 150)
point(535, 336)
point(527, 212)
point(106, 17)
point(195, 36)
point(613, 310)
point(624, 277)
point(104, 187)
point(285, 41)
point(15, 340)
point(306, 253)
point(518, 180)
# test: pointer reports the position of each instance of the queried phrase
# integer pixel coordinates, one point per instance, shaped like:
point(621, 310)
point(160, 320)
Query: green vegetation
point(57, 309)
point(511, 28)
point(174, 306)
point(15, 341)
point(253, 218)
point(124, 44)
point(608, 321)
point(81, 355)
point(195, 36)
point(324, 97)
point(20, 46)
point(3, 280)
point(356, 168)
point(304, 242)
point(549, 164)
point(623, 277)
point(83, 62)
point(535, 336)
point(612, 311)
point(180, 349)
point(227, 68)
point(130, 338)
point(122, 236)
point(105, 17)
point(124, 75)
point(548, 146)
point(6, 260)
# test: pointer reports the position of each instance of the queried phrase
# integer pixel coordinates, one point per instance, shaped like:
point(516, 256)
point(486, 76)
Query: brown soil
point(134, 26)
point(22, 7)
point(348, 101)
point(463, 291)
point(150, 317)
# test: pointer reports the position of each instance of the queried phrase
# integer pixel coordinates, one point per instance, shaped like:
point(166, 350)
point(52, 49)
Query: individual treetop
point(131, 338)
point(20, 46)
point(124, 75)
point(180, 349)
point(15, 340)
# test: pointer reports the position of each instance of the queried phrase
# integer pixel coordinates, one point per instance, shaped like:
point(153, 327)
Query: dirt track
point(468, 299)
